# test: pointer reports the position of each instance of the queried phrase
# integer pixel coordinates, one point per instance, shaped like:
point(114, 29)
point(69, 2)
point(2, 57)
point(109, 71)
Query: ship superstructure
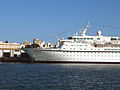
point(80, 48)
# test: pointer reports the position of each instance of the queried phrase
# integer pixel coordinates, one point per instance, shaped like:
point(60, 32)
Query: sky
point(22, 20)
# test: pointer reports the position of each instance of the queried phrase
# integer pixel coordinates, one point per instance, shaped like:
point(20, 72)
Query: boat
point(80, 49)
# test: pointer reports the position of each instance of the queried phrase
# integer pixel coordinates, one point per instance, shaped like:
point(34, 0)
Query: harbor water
point(17, 76)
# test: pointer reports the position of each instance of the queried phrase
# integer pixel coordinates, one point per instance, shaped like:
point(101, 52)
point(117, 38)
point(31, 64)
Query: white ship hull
point(55, 55)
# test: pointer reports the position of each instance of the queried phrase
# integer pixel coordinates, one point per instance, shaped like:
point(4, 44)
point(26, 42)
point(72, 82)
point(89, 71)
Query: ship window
point(69, 37)
point(91, 38)
point(75, 38)
point(113, 38)
point(98, 38)
point(118, 38)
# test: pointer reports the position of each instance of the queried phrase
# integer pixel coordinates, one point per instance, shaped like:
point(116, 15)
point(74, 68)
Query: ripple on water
point(59, 76)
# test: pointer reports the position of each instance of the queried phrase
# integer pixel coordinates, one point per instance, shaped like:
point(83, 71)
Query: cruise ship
point(81, 49)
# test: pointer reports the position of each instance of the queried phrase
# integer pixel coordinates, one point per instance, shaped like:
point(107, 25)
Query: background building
point(38, 42)
point(11, 49)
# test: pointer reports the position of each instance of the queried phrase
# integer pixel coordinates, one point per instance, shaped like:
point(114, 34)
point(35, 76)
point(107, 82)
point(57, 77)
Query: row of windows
point(75, 49)
point(111, 49)
point(92, 38)
point(89, 55)
point(80, 49)
point(115, 39)
point(86, 52)
point(83, 38)
point(9, 47)
point(78, 45)
point(92, 58)
point(86, 38)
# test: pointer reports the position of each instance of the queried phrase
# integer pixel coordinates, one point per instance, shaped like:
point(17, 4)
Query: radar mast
point(83, 31)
